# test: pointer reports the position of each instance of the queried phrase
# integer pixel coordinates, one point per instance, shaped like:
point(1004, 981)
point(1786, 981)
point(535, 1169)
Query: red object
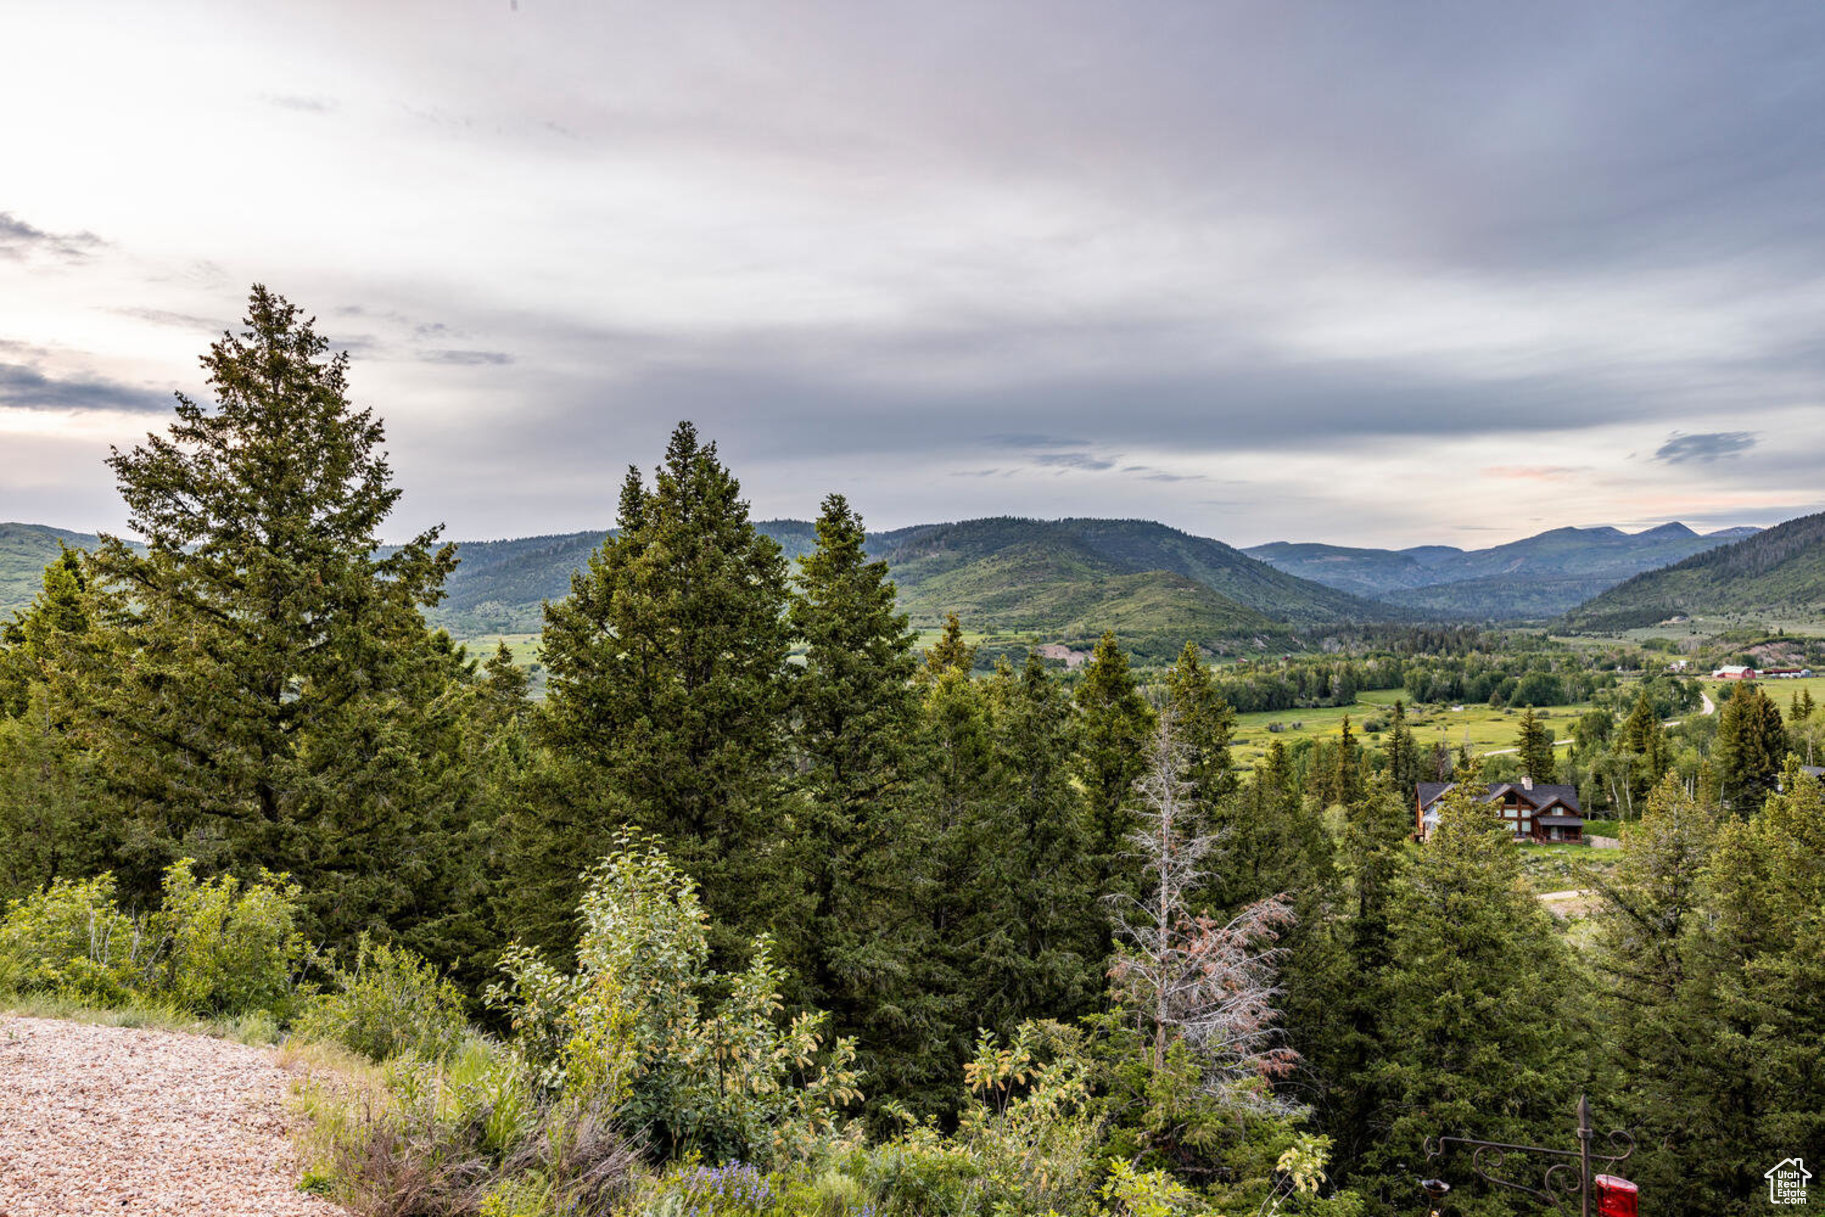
point(1615, 1196)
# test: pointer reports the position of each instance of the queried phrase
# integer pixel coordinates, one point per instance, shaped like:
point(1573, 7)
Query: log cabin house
point(1537, 812)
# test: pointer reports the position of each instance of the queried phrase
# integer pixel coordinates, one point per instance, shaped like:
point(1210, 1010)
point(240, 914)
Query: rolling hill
point(501, 585)
point(1534, 578)
point(25, 550)
point(1067, 580)
point(1777, 572)
point(990, 570)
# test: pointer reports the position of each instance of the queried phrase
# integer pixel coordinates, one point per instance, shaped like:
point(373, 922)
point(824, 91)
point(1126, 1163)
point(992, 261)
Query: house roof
point(1560, 821)
point(1542, 795)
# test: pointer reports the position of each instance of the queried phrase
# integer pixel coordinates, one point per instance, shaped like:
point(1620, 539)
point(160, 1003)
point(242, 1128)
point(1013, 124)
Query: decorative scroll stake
point(1557, 1187)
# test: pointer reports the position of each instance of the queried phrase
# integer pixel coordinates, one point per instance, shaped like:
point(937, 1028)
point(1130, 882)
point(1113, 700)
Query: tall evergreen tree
point(668, 689)
point(1751, 745)
point(1474, 1034)
point(54, 819)
point(1203, 724)
point(38, 640)
point(1114, 724)
point(923, 1022)
point(272, 696)
point(1045, 902)
point(1767, 891)
point(1535, 744)
point(854, 709)
point(950, 653)
point(1346, 784)
point(1659, 973)
point(1339, 990)
point(1403, 754)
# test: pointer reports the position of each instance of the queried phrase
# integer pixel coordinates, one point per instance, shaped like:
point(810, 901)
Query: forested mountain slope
point(1070, 579)
point(25, 550)
point(1536, 577)
point(1781, 570)
point(928, 560)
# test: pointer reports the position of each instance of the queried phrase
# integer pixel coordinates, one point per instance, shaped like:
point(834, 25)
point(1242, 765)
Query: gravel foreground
point(119, 1120)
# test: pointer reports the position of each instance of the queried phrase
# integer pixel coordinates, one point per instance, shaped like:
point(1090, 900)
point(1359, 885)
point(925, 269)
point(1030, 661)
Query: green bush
point(228, 949)
point(70, 940)
point(392, 1003)
point(213, 949)
point(702, 1061)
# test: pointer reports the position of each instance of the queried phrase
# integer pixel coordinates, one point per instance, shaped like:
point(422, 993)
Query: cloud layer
point(1361, 272)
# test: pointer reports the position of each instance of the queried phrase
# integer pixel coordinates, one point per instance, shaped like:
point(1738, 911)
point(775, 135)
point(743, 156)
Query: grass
point(1782, 691)
point(1487, 729)
point(256, 1029)
point(1558, 868)
point(526, 649)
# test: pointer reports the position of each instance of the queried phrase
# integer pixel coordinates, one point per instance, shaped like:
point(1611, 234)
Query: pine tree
point(1658, 973)
point(38, 641)
point(1473, 1028)
point(1114, 723)
point(923, 1020)
point(1205, 724)
point(1535, 744)
point(54, 818)
point(272, 696)
point(1403, 754)
point(1346, 782)
point(1041, 917)
point(667, 692)
point(950, 653)
point(1767, 892)
point(854, 708)
point(1339, 977)
point(1751, 745)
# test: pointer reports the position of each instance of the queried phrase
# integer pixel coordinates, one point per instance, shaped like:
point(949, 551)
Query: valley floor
point(120, 1120)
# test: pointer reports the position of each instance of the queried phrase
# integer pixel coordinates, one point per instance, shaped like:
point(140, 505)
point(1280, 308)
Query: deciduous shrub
point(228, 948)
point(218, 948)
point(70, 940)
point(391, 1003)
point(634, 1028)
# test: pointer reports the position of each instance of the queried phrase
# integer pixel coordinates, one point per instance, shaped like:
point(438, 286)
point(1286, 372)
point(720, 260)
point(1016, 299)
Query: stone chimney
point(1527, 781)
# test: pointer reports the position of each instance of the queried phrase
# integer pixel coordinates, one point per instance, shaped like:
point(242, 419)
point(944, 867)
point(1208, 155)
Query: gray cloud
point(301, 103)
point(19, 239)
point(1073, 460)
point(172, 318)
point(467, 358)
point(1706, 447)
point(26, 388)
point(999, 248)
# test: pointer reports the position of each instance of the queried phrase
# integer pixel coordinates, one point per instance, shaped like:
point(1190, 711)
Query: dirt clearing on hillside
point(119, 1120)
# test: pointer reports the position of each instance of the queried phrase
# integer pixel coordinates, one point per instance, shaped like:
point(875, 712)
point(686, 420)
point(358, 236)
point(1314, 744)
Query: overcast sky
point(1372, 273)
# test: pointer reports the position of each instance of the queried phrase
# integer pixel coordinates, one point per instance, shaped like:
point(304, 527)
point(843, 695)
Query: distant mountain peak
point(1673, 528)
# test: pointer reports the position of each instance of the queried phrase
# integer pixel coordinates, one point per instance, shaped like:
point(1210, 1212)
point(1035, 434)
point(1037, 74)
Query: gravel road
point(116, 1120)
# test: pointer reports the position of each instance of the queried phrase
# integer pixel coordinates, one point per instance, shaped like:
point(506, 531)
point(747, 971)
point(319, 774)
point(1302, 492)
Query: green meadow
point(1484, 728)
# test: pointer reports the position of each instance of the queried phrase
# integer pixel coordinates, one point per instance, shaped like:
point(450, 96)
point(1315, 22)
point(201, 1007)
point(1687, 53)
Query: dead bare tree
point(1189, 977)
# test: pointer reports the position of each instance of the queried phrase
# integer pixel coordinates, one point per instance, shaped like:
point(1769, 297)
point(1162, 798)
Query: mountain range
point(1776, 573)
point(1534, 578)
point(1068, 580)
